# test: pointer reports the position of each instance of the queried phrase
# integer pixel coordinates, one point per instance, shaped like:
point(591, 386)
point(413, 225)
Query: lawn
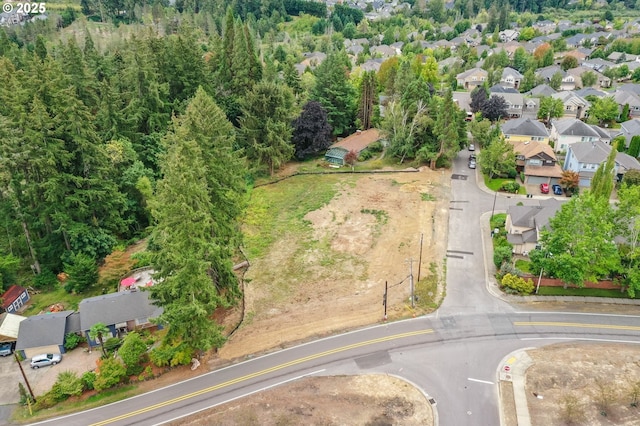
point(523, 265)
point(586, 292)
point(496, 184)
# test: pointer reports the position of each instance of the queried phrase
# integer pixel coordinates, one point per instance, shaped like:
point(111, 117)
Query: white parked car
point(45, 359)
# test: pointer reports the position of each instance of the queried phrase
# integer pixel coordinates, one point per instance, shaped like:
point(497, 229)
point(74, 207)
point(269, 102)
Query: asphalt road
point(453, 355)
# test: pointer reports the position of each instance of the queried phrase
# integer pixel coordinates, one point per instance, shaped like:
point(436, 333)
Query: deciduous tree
point(602, 181)
point(498, 158)
point(311, 130)
point(603, 110)
point(550, 108)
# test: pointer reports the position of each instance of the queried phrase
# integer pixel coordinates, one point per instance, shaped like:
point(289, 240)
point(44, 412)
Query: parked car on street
point(472, 164)
point(544, 188)
point(472, 147)
point(472, 157)
point(557, 189)
point(6, 349)
point(45, 359)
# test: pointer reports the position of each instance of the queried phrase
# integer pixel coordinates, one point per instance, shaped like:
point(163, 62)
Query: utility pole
point(413, 304)
point(420, 258)
point(384, 300)
point(24, 376)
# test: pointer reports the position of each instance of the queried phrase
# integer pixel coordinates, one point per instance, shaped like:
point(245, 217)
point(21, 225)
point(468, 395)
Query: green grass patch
point(498, 220)
point(426, 291)
point(381, 216)
point(109, 396)
point(275, 210)
point(587, 292)
point(40, 302)
point(496, 183)
point(427, 197)
point(523, 265)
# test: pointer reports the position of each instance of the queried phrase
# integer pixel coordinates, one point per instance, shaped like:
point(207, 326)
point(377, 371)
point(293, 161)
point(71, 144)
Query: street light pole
point(539, 278)
point(495, 195)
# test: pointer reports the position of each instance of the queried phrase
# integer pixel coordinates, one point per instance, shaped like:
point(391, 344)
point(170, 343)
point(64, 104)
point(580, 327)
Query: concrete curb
point(513, 368)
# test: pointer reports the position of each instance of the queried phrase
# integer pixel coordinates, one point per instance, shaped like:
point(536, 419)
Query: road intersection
point(455, 355)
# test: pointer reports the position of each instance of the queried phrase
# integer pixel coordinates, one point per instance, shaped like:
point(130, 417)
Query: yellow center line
point(261, 373)
point(577, 324)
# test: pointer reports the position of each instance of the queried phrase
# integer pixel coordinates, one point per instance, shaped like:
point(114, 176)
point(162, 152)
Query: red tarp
point(127, 282)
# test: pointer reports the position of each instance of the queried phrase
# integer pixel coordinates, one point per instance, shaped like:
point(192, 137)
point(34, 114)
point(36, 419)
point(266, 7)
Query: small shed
point(355, 142)
point(14, 299)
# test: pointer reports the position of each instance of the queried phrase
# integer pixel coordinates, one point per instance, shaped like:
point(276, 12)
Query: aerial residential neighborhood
point(219, 190)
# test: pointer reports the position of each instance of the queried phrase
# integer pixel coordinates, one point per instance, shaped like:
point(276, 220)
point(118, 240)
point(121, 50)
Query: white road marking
point(480, 381)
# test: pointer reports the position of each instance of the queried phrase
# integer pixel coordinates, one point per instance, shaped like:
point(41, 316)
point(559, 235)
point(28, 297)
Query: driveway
point(43, 378)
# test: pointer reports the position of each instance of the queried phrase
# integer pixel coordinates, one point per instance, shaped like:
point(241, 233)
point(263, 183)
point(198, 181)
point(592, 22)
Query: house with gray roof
point(514, 101)
point(629, 129)
point(602, 80)
point(598, 64)
point(585, 158)
point(623, 98)
point(590, 91)
point(120, 312)
point(511, 77)
point(574, 104)
point(46, 333)
point(524, 224)
point(629, 87)
point(568, 131)
point(525, 129)
point(542, 90)
point(567, 82)
point(472, 78)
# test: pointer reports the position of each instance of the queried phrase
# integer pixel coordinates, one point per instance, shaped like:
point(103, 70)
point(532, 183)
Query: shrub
point(142, 258)
point(522, 176)
point(512, 187)
point(45, 401)
point(132, 350)
point(376, 147)
point(365, 154)
point(146, 375)
point(166, 355)
point(72, 340)
point(518, 284)
point(111, 372)
point(501, 254)
point(44, 279)
point(24, 396)
point(67, 384)
point(111, 344)
point(88, 379)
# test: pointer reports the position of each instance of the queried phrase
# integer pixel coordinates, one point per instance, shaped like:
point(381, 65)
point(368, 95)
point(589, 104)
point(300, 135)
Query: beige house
point(472, 78)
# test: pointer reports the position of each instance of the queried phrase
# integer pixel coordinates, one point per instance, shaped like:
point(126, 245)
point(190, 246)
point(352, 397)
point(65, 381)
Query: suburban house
point(121, 312)
point(585, 157)
point(524, 223)
point(571, 130)
point(46, 333)
point(629, 129)
point(9, 327)
point(537, 162)
point(525, 130)
point(511, 77)
point(602, 80)
point(513, 99)
point(631, 99)
point(542, 90)
point(14, 299)
point(574, 104)
point(355, 142)
point(508, 35)
point(567, 82)
point(472, 78)
point(311, 60)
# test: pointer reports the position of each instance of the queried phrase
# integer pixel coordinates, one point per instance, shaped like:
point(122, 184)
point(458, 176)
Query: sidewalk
point(514, 366)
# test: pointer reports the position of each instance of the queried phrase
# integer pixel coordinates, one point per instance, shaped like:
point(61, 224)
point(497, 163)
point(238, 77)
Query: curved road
point(453, 354)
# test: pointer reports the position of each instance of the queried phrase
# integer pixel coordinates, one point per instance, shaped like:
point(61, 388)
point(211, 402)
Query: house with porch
point(121, 312)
